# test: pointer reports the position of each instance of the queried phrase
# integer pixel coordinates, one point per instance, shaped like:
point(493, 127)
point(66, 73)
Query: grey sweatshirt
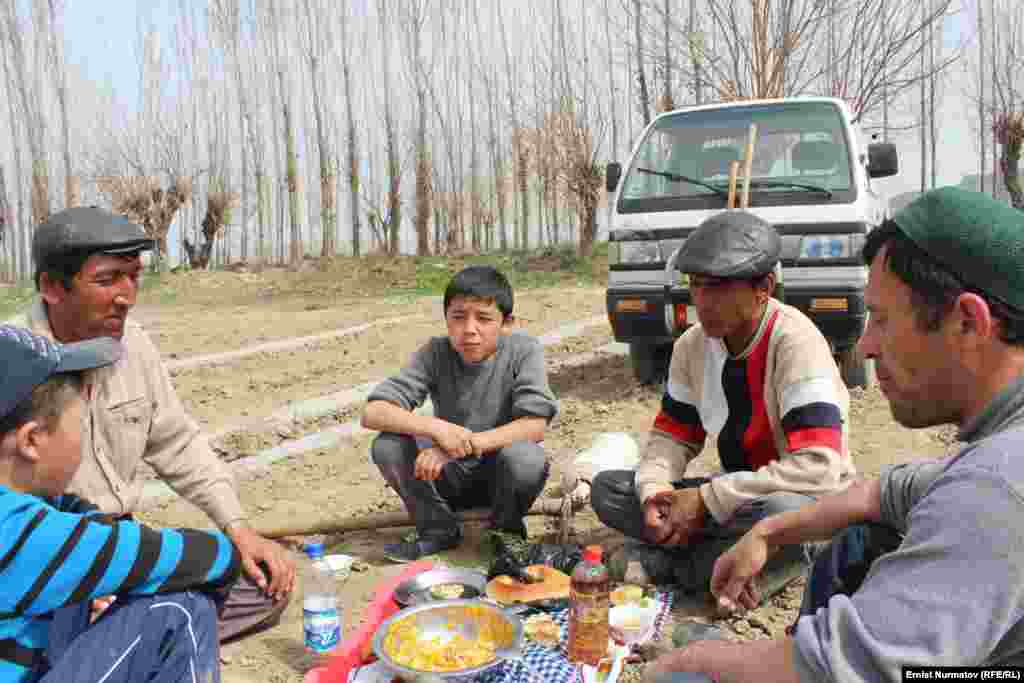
point(952, 594)
point(509, 385)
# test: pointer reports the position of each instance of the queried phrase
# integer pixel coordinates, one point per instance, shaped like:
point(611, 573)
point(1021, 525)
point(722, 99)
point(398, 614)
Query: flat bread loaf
point(552, 584)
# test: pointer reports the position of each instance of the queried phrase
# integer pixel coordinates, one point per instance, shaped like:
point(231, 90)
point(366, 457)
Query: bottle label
point(322, 629)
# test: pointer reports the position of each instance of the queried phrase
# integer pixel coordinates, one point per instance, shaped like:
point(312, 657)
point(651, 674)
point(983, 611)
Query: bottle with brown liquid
point(588, 609)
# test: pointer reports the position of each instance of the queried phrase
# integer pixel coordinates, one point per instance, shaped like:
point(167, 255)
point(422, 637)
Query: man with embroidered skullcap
point(758, 379)
point(926, 564)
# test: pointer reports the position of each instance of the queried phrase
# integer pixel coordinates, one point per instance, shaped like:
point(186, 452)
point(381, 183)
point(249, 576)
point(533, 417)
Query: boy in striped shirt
point(57, 552)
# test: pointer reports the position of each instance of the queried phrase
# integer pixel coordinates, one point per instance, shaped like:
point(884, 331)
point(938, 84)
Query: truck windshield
point(683, 163)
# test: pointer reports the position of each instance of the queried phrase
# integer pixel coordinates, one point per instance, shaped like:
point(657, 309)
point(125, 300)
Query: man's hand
point(702, 656)
point(429, 464)
point(256, 550)
point(674, 517)
point(453, 439)
point(733, 581)
point(721, 660)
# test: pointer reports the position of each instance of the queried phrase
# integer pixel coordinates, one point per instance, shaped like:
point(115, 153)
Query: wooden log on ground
point(550, 507)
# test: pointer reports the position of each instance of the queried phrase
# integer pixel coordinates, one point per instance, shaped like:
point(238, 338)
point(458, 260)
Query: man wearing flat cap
point(757, 379)
point(926, 564)
point(88, 267)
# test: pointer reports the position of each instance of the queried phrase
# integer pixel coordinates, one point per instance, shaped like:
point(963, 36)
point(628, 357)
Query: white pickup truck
point(811, 177)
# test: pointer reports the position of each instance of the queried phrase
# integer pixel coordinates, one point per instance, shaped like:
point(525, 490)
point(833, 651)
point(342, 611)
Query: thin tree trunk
point(423, 171)
point(19, 237)
point(327, 198)
point(292, 175)
point(982, 140)
point(394, 219)
point(641, 76)
point(519, 154)
point(922, 135)
point(933, 130)
point(5, 227)
point(669, 100)
point(353, 161)
point(696, 45)
point(244, 237)
point(34, 120)
point(60, 80)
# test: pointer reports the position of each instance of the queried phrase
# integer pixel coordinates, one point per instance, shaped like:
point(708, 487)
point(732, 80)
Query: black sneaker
point(417, 548)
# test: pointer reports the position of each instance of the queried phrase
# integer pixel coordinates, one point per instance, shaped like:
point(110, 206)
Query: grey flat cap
point(87, 229)
point(731, 244)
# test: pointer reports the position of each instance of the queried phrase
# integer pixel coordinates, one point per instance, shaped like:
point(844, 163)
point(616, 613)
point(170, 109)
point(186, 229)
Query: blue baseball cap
point(27, 360)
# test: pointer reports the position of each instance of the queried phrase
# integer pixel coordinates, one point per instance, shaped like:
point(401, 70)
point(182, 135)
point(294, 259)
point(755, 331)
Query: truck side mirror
point(883, 161)
point(611, 175)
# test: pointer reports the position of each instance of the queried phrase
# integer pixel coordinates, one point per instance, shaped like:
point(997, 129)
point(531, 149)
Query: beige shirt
point(135, 415)
point(790, 434)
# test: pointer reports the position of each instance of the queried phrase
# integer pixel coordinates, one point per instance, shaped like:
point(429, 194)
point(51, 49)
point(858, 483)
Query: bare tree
point(6, 223)
point(520, 155)
point(781, 48)
point(19, 237)
point(295, 247)
point(413, 16)
point(394, 215)
point(1007, 107)
point(641, 75)
point(315, 49)
point(61, 86)
point(352, 138)
point(31, 108)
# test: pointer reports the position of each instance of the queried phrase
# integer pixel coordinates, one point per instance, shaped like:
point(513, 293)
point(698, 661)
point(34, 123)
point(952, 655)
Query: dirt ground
point(203, 313)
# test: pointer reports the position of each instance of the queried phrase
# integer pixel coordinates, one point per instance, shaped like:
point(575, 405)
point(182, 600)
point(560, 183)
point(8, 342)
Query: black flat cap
point(731, 244)
point(87, 229)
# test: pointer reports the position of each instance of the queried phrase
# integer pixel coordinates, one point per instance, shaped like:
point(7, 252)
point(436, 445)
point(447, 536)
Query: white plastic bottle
point(321, 614)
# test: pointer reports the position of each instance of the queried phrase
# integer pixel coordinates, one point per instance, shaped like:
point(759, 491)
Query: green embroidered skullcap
point(979, 239)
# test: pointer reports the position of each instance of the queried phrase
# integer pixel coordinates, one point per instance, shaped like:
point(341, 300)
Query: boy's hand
point(453, 439)
point(429, 464)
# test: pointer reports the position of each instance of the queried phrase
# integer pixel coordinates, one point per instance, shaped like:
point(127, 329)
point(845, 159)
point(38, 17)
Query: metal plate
point(417, 590)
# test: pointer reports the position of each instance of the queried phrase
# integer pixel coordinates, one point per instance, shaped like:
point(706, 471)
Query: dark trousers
point(161, 639)
point(614, 499)
point(841, 566)
point(248, 610)
point(507, 480)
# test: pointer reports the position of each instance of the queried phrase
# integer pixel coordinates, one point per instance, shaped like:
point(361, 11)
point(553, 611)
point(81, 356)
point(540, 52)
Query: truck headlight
point(824, 247)
point(639, 252)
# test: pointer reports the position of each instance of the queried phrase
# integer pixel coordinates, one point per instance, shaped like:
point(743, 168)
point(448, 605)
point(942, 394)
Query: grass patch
point(14, 299)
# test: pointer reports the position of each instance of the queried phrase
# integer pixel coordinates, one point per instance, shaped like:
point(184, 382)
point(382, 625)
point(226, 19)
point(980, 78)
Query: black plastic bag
point(512, 561)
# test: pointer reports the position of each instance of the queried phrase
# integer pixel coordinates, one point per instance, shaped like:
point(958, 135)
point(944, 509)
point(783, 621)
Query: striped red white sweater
point(777, 412)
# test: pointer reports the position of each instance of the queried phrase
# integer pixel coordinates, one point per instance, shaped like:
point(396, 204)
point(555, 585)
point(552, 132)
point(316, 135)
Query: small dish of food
point(542, 629)
point(632, 623)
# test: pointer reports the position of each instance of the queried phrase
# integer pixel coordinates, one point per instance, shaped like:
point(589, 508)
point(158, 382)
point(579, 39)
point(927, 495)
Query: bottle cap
point(314, 550)
point(592, 553)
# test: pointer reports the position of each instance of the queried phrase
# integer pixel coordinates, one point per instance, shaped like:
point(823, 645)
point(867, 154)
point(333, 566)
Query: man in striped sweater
point(758, 378)
point(58, 552)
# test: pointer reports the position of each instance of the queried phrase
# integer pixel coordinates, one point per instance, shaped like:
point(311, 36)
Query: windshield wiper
point(686, 179)
point(785, 183)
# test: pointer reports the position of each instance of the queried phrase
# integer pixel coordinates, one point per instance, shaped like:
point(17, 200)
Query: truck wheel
point(650, 362)
point(855, 368)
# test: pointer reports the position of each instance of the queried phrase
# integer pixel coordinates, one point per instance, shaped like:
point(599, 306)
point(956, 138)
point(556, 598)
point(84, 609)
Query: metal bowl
point(444, 619)
point(418, 589)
